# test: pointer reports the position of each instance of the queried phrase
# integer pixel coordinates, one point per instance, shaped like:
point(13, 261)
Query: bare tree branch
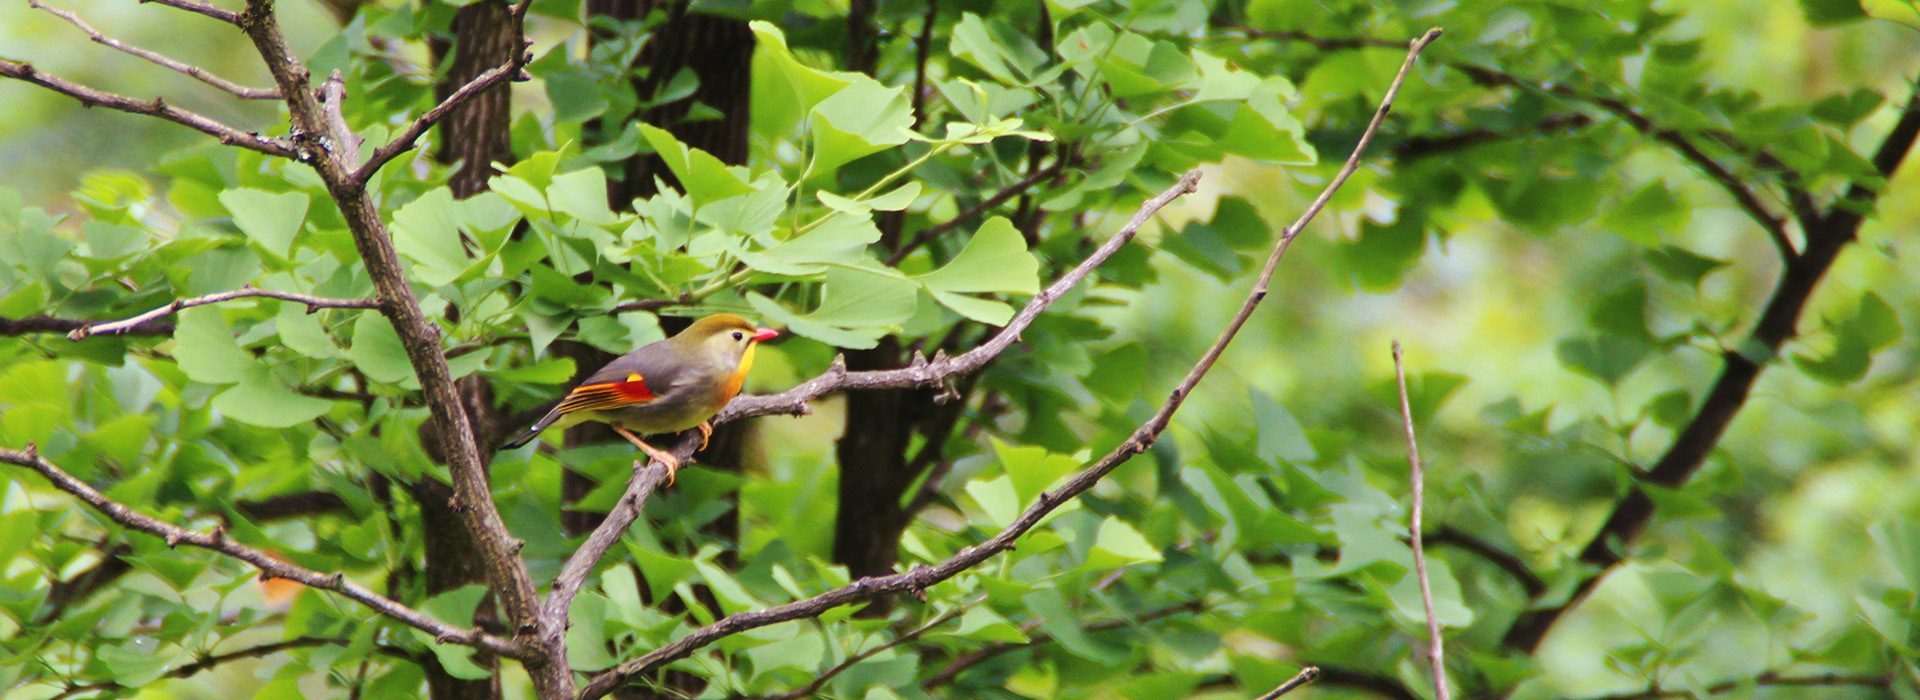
point(156, 107)
point(685, 299)
point(313, 304)
point(203, 8)
point(217, 541)
point(922, 577)
point(1436, 657)
point(1305, 676)
point(574, 572)
point(192, 71)
point(47, 324)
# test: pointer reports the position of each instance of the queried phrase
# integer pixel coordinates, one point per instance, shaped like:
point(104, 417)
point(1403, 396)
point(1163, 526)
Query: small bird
point(664, 387)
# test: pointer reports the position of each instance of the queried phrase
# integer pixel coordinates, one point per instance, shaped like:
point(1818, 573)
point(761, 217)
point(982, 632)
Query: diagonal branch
point(1305, 676)
point(817, 683)
point(270, 567)
point(142, 321)
point(1777, 324)
point(157, 107)
point(202, 8)
point(192, 71)
point(922, 577)
point(32, 325)
point(513, 69)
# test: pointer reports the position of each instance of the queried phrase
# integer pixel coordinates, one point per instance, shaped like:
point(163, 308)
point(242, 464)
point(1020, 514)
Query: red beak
point(765, 334)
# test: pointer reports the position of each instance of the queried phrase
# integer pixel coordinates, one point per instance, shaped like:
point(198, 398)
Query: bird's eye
point(737, 335)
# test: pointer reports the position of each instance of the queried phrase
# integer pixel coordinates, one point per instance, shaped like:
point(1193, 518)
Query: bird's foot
point(664, 457)
point(706, 433)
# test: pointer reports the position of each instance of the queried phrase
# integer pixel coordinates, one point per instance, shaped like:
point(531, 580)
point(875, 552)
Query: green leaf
point(1827, 13)
point(994, 260)
point(1651, 212)
point(271, 219)
point(784, 89)
point(582, 194)
point(861, 119)
point(261, 399)
point(1116, 373)
point(205, 349)
point(1682, 265)
point(1605, 358)
point(301, 332)
point(1057, 618)
point(705, 178)
point(426, 231)
point(377, 351)
point(1622, 313)
point(857, 307)
point(1280, 436)
point(1118, 544)
point(1032, 469)
point(996, 498)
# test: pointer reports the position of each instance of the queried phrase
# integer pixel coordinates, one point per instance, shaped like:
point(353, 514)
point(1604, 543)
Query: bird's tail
point(532, 432)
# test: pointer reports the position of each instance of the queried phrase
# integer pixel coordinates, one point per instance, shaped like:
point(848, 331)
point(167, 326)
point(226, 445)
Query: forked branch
point(156, 107)
point(192, 71)
point(313, 304)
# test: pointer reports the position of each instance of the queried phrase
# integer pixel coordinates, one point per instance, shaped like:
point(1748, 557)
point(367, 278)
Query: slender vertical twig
point(1436, 656)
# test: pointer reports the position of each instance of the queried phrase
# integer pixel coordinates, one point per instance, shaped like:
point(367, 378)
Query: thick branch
point(156, 107)
point(192, 71)
point(270, 567)
point(313, 304)
point(922, 577)
point(420, 337)
point(1740, 370)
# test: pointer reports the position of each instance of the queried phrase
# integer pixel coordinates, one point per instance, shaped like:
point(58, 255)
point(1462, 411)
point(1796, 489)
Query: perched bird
point(664, 387)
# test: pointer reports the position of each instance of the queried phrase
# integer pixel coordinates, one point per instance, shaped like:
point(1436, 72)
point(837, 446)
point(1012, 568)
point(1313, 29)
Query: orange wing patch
point(606, 395)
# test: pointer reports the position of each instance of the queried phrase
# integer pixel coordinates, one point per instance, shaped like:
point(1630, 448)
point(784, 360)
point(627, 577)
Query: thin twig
point(156, 107)
point(1305, 676)
point(922, 577)
point(203, 8)
point(998, 198)
point(814, 685)
point(952, 670)
point(192, 71)
point(209, 662)
point(313, 304)
point(685, 299)
point(47, 324)
point(1436, 657)
point(269, 566)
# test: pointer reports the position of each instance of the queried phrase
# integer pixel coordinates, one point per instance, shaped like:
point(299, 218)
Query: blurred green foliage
point(1565, 282)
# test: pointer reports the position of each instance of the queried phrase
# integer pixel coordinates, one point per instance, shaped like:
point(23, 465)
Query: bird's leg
point(659, 455)
point(706, 433)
